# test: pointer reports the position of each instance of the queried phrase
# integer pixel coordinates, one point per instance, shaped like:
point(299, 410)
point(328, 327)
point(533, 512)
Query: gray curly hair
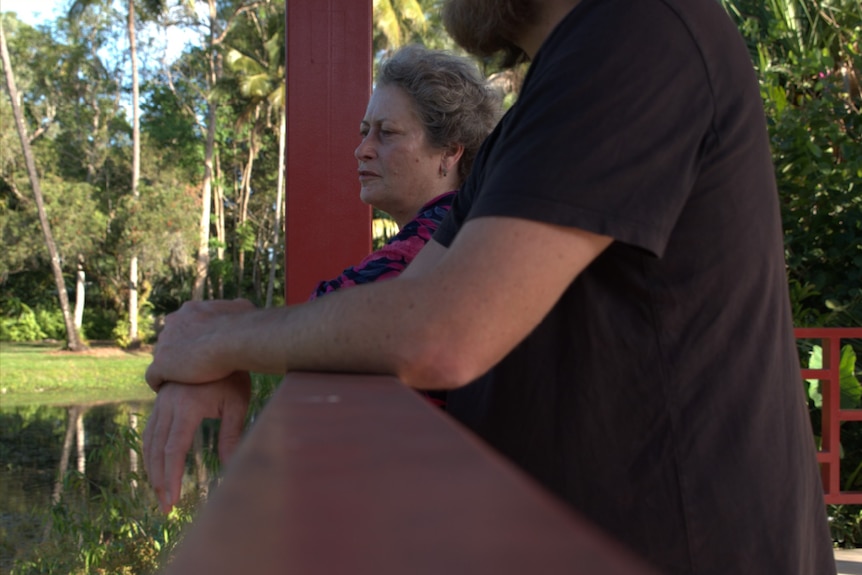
point(454, 101)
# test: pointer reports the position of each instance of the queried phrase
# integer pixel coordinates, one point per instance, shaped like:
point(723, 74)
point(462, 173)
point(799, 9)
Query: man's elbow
point(439, 364)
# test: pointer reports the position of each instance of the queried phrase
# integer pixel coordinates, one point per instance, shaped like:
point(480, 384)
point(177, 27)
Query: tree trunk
point(279, 195)
point(133, 455)
point(63, 467)
point(203, 257)
point(136, 173)
point(72, 417)
point(82, 440)
point(244, 198)
point(201, 471)
point(260, 249)
point(218, 205)
point(73, 340)
point(80, 292)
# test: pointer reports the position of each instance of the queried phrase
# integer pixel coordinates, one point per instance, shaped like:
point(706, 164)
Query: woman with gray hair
point(428, 115)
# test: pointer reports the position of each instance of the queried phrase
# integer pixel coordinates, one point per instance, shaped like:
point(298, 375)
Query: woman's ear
point(451, 156)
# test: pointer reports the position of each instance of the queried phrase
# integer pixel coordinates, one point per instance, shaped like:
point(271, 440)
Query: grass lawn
point(41, 373)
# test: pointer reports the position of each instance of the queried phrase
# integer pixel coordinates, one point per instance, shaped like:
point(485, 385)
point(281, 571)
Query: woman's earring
point(444, 171)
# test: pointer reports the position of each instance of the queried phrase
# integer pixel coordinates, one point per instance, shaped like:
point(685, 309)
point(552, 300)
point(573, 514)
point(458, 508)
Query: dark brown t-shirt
point(661, 397)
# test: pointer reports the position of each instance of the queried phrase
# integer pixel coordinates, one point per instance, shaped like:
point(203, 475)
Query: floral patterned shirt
point(391, 259)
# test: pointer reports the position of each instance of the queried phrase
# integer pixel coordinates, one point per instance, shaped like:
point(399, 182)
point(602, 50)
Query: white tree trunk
point(133, 455)
point(80, 292)
point(279, 200)
point(82, 441)
point(133, 299)
point(136, 172)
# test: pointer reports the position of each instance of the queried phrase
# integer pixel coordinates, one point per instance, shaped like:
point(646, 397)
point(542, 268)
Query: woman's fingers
point(234, 409)
point(178, 412)
point(176, 447)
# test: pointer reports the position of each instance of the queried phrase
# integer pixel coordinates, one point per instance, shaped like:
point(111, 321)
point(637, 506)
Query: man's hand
point(186, 350)
point(178, 411)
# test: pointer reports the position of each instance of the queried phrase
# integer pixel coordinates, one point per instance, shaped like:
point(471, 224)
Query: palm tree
point(259, 69)
point(73, 340)
point(395, 21)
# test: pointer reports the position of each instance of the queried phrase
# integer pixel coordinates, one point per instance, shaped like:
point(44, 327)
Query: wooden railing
point(348, 474)
point(833, 416)
point(359, 474)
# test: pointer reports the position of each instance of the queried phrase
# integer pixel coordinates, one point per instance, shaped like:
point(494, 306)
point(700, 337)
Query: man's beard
point(488, 27)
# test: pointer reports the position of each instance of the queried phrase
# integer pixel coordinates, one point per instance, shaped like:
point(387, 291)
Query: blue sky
point(35, 12)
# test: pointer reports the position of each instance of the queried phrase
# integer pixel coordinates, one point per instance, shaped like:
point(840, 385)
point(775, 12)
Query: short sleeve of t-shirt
point(606, 135)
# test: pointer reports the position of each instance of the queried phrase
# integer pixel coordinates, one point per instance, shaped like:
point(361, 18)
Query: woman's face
point(399, 171)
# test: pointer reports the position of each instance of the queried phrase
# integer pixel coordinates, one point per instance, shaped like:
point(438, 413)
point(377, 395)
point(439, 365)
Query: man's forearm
point(356, 330)
point(434, 328)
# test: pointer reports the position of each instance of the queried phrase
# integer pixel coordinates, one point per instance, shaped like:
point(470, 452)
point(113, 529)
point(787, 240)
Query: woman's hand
point(178, 411)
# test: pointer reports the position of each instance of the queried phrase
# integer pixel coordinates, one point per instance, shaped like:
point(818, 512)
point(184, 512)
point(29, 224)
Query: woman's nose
point(364, 150)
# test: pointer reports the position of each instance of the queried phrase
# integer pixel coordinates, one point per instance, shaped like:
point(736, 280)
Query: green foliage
point(98, 323)
point(807, 54)
point(851, 390)
point(245, 236)
point(146, 328)
point(816, 145)
point(51, 322)
point(170, 126)
point(19, 323)
point(845, 522)
point(396, 21)
point(114, 527)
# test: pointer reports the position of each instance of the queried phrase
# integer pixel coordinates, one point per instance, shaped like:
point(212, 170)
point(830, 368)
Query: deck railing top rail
point(359, 474)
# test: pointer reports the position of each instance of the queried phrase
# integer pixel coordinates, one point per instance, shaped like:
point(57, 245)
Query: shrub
point(99, 324)
point(116, 530)
point(51, 322)
point(146, 328)
point(20, 323)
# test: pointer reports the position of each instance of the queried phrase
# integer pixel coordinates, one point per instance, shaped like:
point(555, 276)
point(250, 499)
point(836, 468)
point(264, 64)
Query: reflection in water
point(70, 473)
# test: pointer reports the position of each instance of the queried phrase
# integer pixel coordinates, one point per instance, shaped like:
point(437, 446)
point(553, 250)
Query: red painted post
point(327, 227)
point(831, 433)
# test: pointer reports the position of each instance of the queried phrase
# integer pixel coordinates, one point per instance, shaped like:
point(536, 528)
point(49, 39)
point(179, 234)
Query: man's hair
point(487, 28)
point(453, 100)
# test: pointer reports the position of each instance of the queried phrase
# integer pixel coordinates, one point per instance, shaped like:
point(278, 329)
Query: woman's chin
point(372, 197)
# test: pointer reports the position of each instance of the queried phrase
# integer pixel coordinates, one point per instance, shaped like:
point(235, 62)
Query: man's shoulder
point(621, 24)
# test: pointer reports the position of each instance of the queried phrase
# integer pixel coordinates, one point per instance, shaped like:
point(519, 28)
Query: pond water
point(70, 467)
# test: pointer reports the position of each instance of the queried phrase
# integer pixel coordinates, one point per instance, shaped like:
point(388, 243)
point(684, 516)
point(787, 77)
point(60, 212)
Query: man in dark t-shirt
point(606, 301)
point(661, 395)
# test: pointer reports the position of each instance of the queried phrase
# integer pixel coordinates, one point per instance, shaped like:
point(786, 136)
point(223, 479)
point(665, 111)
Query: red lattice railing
point(829, 455)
